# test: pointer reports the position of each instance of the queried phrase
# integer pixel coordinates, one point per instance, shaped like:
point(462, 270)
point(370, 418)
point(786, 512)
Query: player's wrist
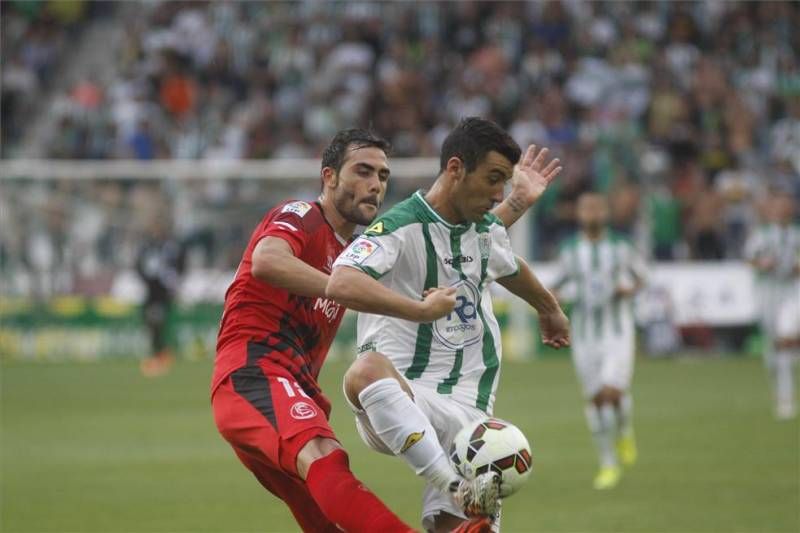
point(548, 306)
point(521, 198)
point(419, 311)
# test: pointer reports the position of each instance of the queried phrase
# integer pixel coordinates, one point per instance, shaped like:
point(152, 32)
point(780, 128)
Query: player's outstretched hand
point(555, 329)
point(436, 303)
point(624, 291)
point(533, 174)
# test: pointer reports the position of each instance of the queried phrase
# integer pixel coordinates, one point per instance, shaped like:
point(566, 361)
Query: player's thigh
point(266, 413)
point(771, 301)
point(618, 362)
point(155, 313)
point(588, 360)
point(445, 415)
point(787, 319)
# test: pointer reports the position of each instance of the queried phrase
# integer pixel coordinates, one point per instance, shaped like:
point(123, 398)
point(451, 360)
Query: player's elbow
point(265, 268)
point(260, 271)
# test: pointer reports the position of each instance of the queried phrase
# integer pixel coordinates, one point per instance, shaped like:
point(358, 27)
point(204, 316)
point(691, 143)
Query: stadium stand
point(650, 102)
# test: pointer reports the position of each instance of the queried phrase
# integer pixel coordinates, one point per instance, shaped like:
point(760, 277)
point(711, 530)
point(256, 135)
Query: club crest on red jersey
point(302, 411)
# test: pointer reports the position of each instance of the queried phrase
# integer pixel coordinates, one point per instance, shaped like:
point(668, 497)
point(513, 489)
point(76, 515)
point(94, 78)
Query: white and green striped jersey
point(779, 243)
point(410, 249)
point(595, 269)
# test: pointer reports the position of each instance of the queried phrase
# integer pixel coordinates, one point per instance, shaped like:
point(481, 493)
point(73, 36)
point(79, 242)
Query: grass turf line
point(98, 448)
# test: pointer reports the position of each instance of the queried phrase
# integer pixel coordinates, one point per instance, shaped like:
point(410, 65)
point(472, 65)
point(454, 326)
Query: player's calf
point(340, 496)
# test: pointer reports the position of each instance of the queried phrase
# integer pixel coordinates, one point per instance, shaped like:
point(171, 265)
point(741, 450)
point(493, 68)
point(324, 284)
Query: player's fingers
point(450, 291)
point(527, 159)
point(550, 177)
point(557, 345)
point(540, 158)
point(550, 168)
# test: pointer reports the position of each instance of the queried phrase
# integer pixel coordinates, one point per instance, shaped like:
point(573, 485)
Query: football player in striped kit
point(416, 382)
point(605, 272)
point(774, 251)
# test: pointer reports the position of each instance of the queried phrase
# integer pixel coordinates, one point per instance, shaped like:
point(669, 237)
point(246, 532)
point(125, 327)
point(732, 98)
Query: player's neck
point(340, 225)
point(438, 198)
point(595, 234)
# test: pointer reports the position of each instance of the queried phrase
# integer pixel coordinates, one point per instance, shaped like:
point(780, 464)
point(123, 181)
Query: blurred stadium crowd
point(684, 113)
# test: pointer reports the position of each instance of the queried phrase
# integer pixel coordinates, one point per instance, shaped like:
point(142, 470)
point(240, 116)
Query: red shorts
point(267, 419)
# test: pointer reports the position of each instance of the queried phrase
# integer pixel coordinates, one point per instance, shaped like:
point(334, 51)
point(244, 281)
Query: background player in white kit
point(774, 251)
point(415, 385)
point(604, 272)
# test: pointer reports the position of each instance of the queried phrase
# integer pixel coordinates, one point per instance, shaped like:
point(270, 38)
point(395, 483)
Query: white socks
point(603, 425)
point(625, 415)
point(405, 430)
point(783, 373)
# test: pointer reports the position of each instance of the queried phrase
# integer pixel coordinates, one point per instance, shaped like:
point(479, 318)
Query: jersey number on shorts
point(287, 386)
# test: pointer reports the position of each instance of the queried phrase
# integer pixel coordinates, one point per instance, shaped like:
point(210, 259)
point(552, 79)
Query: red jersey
point(262, 324)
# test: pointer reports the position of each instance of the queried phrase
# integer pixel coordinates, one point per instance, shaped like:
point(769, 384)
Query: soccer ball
point(493, 445)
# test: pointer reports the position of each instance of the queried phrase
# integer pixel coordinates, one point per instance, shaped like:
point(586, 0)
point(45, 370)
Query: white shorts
point(778, 310)
point(447, 417)
point(787, 319)
point(605, 362)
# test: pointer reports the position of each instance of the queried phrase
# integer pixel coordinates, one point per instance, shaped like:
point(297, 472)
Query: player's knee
point(613, 395)
point(367, 369)
point(314, 449)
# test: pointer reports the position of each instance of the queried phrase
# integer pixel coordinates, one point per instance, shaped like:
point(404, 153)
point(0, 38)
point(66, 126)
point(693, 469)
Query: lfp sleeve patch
point(359, 250)
point(298, 208)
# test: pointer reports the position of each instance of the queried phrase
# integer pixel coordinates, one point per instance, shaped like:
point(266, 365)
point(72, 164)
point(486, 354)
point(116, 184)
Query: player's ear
point(455, 168)
point(330, 178)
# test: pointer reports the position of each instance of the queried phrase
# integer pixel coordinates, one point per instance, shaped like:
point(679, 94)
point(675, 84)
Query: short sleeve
point(291, 224)
point(374, 255)
point(502, 261)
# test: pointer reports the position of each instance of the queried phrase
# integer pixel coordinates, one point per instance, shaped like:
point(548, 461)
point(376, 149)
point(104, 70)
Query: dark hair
point(475, 137)
point(334, 154)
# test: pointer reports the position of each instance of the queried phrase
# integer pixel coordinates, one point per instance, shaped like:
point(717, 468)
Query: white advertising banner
point(693, 293)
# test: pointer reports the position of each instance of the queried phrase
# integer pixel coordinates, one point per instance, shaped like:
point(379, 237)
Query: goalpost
point(300, 173)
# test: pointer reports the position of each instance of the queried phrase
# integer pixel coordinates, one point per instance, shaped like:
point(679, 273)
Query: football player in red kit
point(276, 329)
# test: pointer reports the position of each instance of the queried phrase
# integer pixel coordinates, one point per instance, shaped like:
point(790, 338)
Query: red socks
point(345, 501)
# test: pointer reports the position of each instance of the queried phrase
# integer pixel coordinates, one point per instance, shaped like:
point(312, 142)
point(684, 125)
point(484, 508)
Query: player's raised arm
point(353, 288)
point(274, 262)
point(531, 177)
point(552, 321)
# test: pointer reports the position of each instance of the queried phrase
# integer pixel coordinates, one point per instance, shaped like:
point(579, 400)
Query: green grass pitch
point(96, 447)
